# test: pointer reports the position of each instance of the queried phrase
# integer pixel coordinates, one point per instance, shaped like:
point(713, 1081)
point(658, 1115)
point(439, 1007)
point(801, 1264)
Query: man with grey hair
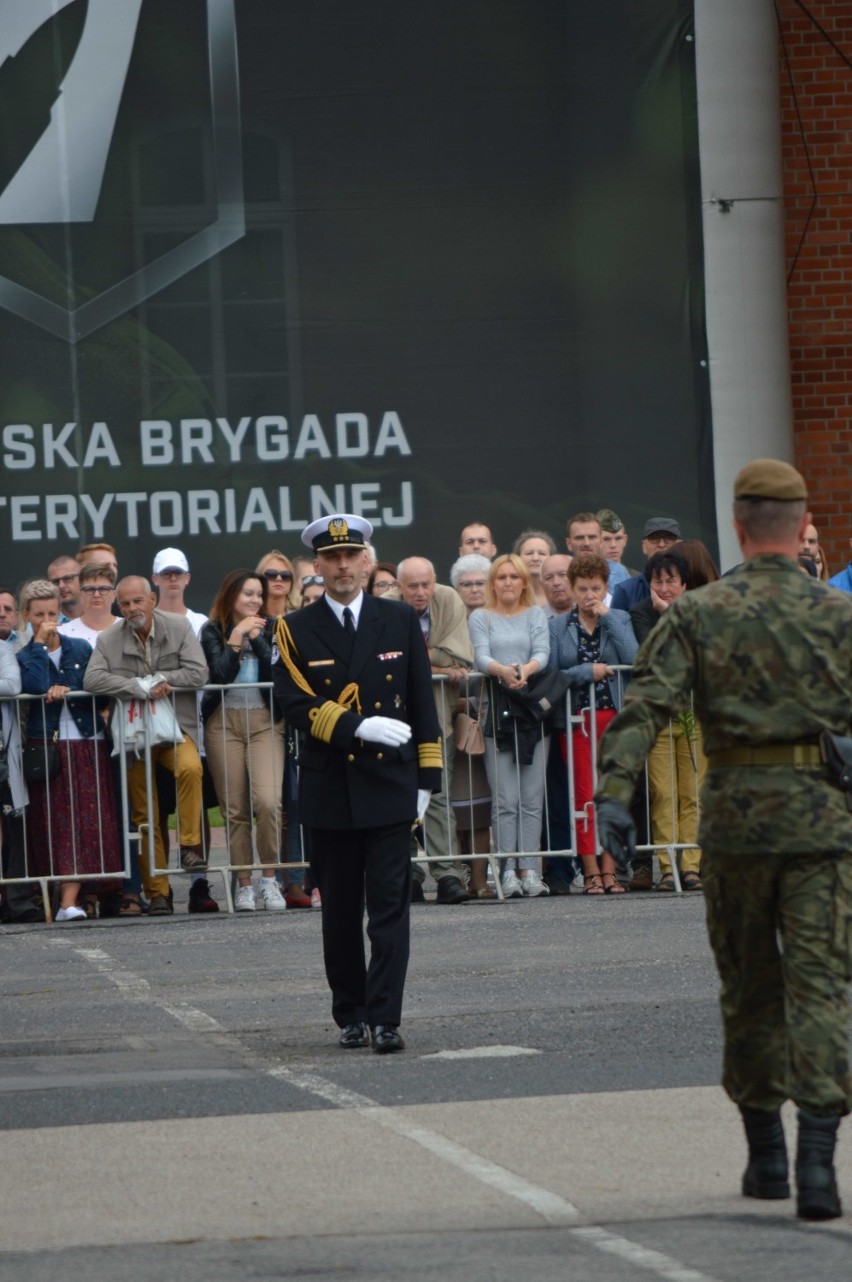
point(556, 586)
point(149, 642)
point(443, 622)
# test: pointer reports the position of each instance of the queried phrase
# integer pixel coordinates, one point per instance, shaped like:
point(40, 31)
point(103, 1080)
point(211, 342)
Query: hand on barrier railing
point(617, 835)
point(384, 730)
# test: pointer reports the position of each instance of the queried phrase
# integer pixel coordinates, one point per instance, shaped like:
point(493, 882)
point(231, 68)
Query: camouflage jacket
point(767, 652)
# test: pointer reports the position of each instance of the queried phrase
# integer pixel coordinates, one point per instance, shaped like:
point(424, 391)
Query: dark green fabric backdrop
point(470, 283)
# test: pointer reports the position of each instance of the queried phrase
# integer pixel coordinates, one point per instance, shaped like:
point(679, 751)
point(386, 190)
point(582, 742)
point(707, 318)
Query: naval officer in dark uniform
point(352, 673)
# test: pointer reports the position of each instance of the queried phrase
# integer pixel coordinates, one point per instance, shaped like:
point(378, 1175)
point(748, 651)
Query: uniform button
point(328, 681)
point(351, 756)
point(388, 677)
point(379, 756)
point(377, 704)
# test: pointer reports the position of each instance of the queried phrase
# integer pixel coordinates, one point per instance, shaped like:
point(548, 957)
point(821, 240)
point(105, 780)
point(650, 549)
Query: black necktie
point(348, 622)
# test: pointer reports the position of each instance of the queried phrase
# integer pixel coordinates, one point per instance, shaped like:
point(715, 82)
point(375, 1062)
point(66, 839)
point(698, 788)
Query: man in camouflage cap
point(767, 652)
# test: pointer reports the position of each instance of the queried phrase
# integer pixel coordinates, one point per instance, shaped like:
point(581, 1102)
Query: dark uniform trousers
point(358, 799)
point(367, 867)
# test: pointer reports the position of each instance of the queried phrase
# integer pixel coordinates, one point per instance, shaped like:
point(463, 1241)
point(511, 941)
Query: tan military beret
point(769, 478)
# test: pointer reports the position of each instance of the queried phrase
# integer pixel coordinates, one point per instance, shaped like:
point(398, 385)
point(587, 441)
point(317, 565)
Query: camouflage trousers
point(781, 931)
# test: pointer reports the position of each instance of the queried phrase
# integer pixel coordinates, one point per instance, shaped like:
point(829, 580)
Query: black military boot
point(766, 1175)
point(816, 1184)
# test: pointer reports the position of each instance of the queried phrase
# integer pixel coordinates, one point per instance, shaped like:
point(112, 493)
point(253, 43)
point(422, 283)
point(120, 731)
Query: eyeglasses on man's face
point(313, 580)
point(284, 575)
point(97, 589)
point(63, 579)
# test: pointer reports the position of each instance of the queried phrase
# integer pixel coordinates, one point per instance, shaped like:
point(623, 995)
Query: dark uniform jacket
point(326, 692)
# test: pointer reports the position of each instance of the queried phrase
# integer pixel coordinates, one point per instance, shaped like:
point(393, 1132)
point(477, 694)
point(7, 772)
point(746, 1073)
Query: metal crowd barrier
point(32, 851)
point(438, 839)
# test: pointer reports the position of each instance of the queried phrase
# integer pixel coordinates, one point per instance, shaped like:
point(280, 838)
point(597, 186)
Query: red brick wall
point(819, 291)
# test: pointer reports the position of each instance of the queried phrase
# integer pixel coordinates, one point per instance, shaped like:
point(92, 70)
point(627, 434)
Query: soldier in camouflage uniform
point(767, 652)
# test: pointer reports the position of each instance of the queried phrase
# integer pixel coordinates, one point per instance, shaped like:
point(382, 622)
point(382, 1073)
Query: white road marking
point(484, 1052)
point(642, 1256)
point(552, 1208)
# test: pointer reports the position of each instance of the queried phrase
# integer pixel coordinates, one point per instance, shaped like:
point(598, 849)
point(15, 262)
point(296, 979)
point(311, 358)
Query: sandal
point(592, 884)
point(691, 881)
point(666, 883)
point(89, 904)
point(485, 892)
point(130, 907)
point(615, 887)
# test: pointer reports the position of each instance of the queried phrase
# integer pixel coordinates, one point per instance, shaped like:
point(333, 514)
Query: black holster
point(836, 752)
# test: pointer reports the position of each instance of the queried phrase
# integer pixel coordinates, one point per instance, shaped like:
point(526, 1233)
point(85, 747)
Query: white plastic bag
point(155, 715)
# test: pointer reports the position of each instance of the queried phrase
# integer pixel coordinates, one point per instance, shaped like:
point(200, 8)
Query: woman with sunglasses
point(283, 594)
point(313, 587)
point(282, 590)
point(97, 593)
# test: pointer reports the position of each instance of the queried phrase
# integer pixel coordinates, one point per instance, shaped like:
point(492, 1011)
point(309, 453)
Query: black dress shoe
point(354, 1035)
point(451, 891)
point(387, 1039)
point(417, 896)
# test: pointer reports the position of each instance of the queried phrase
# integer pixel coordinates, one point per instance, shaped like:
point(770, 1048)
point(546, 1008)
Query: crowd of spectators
point(541, 627)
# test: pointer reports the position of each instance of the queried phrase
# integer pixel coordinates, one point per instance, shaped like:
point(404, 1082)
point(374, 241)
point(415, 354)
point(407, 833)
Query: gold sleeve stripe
point(286, 644)
point(324, 719)
point(430, 756)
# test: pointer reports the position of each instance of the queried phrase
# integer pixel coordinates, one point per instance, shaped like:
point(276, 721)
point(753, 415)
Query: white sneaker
point(245, 902)
point(71, 914)
point(512, 888)
point(270, 894)
point(532, 884)
point(316, 900)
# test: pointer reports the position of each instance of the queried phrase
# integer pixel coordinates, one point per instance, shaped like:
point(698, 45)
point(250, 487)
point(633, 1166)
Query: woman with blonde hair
point(282, 587)
point(511, 642)
point(284, 593)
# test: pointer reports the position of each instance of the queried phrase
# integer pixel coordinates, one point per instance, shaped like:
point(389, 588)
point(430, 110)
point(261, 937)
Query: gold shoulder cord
point(324, 718)
point(284, 641)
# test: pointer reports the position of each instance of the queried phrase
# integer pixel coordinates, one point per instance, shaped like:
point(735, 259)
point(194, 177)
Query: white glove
point(424, 796)
point(384, 730)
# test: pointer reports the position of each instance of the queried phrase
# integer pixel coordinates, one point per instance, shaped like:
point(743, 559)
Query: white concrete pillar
point(739, 128)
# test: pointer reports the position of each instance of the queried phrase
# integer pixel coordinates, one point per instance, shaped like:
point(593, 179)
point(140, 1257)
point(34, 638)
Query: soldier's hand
point(384, 730)
point(617, 834)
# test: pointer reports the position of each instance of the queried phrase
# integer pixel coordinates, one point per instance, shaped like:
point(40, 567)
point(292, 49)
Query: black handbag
point(41, 761)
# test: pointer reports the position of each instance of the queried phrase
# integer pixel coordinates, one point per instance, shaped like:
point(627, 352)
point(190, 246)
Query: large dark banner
point(268, 259)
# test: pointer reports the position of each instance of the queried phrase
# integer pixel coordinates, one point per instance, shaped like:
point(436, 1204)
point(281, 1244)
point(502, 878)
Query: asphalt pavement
point(174, 1105)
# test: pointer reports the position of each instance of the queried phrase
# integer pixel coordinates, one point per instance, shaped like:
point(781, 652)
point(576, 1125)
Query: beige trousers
point(245, 752)
point(676, 767)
